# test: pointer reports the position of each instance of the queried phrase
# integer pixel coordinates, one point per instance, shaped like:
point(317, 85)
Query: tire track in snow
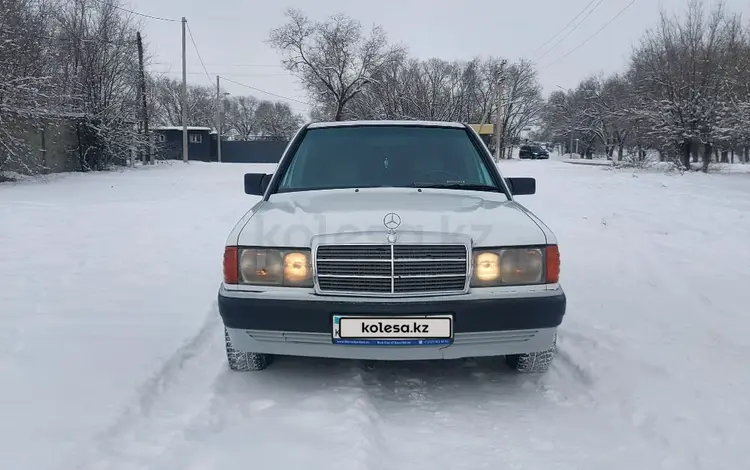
point(426, 385)
point(295, 413)
point(425, 408)
point(479, 414)
point(622, 409)
point(299, 412)
point(371, 415)
point(158, 393)
point(566, 360)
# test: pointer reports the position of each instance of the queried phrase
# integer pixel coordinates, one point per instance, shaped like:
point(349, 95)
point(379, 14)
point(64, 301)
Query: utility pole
point(218, 119)
point(500, 114)
point(184, 95)
point(148, 156)
point(570, 148)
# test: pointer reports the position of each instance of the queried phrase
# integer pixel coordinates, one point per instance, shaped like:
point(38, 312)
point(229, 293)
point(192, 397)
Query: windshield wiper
point(467, 186)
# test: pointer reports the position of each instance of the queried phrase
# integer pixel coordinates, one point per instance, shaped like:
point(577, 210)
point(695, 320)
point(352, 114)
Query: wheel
point(243, 361)
point(534, 363)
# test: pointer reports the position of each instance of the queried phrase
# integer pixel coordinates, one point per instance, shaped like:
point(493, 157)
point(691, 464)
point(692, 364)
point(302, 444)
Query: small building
point(202, 146)
point(201, 143)
point(41, 141)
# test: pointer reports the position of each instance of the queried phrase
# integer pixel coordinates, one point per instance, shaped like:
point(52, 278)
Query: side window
point(196, 138)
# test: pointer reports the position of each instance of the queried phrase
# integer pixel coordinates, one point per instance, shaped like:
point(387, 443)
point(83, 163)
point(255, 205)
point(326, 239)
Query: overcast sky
point(231, 34)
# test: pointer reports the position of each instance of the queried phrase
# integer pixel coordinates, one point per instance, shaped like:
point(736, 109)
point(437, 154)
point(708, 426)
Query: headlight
point(515, 266)
point(273, 267)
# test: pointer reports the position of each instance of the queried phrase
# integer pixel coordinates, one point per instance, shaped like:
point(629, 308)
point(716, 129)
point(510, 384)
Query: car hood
point(293, 219)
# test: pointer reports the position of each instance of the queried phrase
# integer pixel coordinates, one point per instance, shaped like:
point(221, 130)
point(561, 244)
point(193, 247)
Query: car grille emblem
point(392, 221)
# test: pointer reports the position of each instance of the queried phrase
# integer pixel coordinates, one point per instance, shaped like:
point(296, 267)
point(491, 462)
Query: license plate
point(425, 330)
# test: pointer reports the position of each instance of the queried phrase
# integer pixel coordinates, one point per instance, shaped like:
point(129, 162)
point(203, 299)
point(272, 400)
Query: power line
point(228, 65)
point(135, 12)
point(571, 31)
point(267, 92)
point(227, 73)
point(250, 65)
point(566, 26)
point(192, 39)
point(592, 36)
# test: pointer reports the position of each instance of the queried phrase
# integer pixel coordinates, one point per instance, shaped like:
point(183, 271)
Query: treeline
point(74, 65)
point(242, 117)
point(685, 93)
point(351, 73)
point(71, 59)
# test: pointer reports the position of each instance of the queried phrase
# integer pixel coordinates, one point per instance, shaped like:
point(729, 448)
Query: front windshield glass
point(386, 156)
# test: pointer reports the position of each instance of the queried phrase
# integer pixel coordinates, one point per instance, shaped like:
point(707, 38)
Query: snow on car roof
point(320, 125)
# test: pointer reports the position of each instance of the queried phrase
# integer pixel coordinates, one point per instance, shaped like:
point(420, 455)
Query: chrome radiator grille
point(391, 269)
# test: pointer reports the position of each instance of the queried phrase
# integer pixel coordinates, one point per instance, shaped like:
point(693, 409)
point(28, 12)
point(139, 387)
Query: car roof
point(323, 125)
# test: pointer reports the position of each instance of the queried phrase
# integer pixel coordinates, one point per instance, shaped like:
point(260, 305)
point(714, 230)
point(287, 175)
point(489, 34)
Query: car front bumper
point(483, 325)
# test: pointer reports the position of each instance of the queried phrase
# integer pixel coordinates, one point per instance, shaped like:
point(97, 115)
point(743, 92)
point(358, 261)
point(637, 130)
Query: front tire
point(533, 363)
point(241, 361)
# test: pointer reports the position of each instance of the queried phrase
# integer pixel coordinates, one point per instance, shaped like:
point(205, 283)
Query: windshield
point(386, 156)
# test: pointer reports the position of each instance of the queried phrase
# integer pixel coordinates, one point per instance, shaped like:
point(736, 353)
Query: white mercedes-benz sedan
point(390, 240)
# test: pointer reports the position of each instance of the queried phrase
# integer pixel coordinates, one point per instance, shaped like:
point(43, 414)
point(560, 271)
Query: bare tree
point(430, 90)
point(241, 115)
point(685, 93)
point(276, 120)
point(167, 100)
point(245, 115)
point(522, 99)
point(98, 71)
point(683, 71)
point(333, 59)
point(350, 76)
point(26, 89)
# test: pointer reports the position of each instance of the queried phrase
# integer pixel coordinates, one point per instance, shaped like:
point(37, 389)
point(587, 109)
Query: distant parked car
point(533, 151)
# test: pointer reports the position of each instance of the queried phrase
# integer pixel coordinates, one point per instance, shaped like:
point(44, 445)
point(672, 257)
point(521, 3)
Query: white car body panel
point(292, 219)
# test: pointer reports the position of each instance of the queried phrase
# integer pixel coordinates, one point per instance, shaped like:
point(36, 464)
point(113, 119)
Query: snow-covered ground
point(111, 349)
point(651, 163)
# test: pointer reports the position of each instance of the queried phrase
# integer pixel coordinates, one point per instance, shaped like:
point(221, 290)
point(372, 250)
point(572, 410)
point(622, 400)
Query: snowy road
point(111, 351)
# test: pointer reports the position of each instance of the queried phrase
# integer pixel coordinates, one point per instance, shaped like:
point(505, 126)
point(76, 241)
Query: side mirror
point(256, 183)
point(522, 186)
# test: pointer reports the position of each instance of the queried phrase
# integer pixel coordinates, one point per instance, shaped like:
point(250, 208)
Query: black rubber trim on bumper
point(469, 315)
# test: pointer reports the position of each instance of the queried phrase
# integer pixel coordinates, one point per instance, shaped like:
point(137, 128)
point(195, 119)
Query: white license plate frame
point(435, 338)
